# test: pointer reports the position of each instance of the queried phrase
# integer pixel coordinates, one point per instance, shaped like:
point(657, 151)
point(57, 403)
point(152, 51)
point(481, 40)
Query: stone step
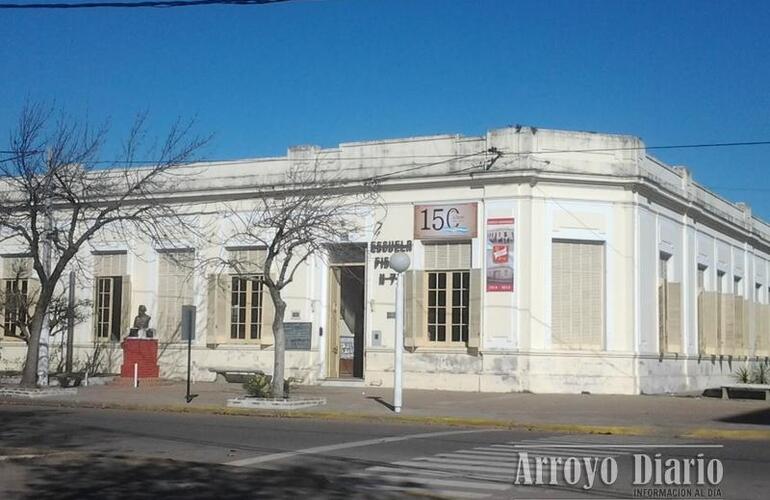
point(343, 382)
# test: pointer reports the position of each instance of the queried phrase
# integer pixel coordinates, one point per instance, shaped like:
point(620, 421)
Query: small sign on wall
point(297, 335)
point(455, 221)
point(500, 254)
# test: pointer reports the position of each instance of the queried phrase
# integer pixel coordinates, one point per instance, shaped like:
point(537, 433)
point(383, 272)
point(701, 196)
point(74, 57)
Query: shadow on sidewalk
point(382, 402)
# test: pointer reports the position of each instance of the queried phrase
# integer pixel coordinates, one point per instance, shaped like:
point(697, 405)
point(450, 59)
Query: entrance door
point(345, 346)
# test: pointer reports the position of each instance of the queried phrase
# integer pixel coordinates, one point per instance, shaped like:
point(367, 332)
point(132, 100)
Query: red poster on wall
point(500, 254)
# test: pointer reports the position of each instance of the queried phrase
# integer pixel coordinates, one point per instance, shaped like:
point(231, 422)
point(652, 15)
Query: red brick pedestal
point(144, 352)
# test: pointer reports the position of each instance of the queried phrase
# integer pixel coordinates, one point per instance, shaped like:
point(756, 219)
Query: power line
point(450, 156)
point(144, 4)
point(643, 148)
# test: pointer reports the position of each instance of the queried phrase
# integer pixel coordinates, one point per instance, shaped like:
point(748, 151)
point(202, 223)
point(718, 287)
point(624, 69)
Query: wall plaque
point(298, 335)
point(452, 221)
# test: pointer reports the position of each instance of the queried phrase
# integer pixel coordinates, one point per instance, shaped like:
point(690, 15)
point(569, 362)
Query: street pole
point(188, 397)
point(45, 334)
point(399, 262)
point(188, 332)
point(398, 375)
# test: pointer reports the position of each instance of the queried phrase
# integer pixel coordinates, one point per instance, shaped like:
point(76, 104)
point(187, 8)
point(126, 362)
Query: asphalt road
point(52, 453)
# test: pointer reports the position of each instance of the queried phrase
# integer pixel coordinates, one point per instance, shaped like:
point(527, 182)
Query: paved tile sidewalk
point(667, 414)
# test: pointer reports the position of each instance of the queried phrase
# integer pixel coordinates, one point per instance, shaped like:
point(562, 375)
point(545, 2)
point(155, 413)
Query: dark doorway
point(346, 322)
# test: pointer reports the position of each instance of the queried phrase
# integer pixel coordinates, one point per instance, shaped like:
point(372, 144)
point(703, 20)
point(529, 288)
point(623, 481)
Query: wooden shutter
point(95, 310)
point(701, 317)
point(763, 332)
point(740, 326)
point(708, 317)
point(247, 260)
point(728, 324)
point(662, 318)
point(447, 255)
point(745, 342)
point(216, 309)
point(474, 316)
point(577, 294)
point(674, 318)
point(33, 294)
point(266, 337)
point(125, 304)
point(415, 310)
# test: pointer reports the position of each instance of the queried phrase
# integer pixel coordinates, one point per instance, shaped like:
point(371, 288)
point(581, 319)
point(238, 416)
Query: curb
point(615, 430)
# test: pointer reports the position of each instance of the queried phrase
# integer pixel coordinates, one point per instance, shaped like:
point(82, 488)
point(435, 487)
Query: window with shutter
point(577, 294)
point(738, 314)
point(447, 282)
point(18, 293)
point(710, 322)
point(110, 311)
point(700, 304)
point(721, 306)
point(15, 305)
point(248, 296)
point(663, 302)
point(174, 291)
point(216, 309)
point(246, 305)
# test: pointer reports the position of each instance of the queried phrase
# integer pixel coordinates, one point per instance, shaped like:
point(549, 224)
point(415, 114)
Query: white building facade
point(542, 260)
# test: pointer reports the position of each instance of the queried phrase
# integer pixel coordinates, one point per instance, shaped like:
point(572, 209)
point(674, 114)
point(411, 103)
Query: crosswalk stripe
point(458, 484)
point(461, 467)
point(408, 471)
point(473, 456)
point(476, 472)
point(460, 494)
point(571, 445)
point(444, 493)
point(413, 474)
point(461, 461)
point(565, 453)
point(567, 450)
point(544, 452)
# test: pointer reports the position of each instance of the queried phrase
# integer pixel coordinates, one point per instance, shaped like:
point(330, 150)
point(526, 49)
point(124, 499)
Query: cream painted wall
point(621, 196)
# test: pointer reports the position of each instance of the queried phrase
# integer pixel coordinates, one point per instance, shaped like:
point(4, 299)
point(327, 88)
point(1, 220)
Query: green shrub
point(754, 374)
point(258, 386)
point(760, 374)
point(742, 375)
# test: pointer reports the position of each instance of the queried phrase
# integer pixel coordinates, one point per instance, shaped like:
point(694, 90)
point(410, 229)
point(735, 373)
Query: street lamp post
point(399, 262)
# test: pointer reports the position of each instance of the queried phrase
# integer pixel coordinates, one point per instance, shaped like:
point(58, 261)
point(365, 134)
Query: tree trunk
point(279, 362)
point(29, 373)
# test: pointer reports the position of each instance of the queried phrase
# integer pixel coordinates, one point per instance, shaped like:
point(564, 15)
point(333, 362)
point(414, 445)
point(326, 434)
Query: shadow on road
point(756, 417)
point(95, 476)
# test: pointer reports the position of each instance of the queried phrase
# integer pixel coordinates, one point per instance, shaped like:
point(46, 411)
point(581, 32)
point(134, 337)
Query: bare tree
point(57, 193)
point(18, 297)
point(316, 206)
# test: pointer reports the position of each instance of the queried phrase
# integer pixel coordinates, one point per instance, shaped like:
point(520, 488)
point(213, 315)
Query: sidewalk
point(632, 415)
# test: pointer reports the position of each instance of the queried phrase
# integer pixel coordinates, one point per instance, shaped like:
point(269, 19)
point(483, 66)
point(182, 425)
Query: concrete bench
point(235, 375)
point(746, 388)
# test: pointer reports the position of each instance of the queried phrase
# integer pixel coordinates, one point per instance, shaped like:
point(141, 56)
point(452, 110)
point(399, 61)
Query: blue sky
point(263, 78)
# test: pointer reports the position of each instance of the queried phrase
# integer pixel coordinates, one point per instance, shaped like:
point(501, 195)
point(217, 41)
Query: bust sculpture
point(142, 320)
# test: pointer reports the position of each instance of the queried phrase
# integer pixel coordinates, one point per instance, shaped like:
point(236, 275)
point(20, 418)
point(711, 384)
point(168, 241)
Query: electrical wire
point(451, 156)
point(129, 5)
